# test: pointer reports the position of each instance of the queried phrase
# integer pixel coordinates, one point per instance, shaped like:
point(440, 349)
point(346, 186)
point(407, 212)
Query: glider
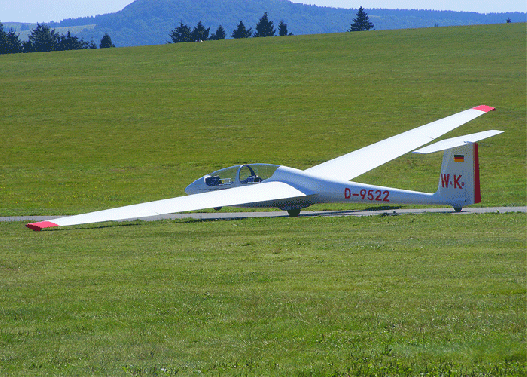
point(276, 186)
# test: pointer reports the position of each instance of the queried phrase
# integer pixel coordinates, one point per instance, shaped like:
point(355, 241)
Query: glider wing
point(256, 193)
point(363, 160)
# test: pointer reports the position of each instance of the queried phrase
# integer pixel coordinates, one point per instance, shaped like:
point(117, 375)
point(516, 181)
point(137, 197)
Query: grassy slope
point(86, 130)
point(434, 295)
point(406, 295)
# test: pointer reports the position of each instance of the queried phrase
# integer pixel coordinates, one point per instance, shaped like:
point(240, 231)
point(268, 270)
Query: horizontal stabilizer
point(457, 141)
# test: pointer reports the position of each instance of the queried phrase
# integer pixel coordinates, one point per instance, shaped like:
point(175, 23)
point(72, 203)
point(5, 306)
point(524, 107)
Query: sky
point(32, 11)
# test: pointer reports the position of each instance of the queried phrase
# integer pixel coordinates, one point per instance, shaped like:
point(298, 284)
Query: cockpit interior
point(238, 175)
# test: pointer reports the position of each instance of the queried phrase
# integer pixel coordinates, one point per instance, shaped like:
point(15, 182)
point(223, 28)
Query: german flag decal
point(459, 158)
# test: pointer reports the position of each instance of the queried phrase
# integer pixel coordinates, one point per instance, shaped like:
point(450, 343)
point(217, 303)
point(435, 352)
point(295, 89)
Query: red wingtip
point(484, 108)
point(37, 227)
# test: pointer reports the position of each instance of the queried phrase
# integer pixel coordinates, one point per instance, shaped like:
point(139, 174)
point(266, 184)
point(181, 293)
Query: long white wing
point(256, 193)
point(362, 160)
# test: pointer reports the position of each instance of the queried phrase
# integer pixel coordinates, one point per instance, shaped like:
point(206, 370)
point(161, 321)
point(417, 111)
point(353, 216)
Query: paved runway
point(242, 215)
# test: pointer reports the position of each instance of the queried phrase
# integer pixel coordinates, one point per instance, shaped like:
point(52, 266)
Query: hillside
point(148, 22)
point(93, 129)
point(427, 295)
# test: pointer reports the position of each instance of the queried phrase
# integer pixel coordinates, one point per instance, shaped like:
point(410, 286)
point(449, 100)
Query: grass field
point(85, 130)
point(401, 296)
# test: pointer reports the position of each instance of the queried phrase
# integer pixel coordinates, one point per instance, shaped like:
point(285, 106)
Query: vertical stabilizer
point(459, 184)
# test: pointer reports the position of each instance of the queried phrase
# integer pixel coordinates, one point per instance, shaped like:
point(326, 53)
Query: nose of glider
point(196, 186)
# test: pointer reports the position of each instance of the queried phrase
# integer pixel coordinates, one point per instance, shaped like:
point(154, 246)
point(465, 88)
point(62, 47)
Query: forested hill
point(147, 22)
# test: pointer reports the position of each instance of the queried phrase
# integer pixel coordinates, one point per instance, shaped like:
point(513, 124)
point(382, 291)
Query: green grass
point(85, 130)
point(401, 296)
point(408, 295)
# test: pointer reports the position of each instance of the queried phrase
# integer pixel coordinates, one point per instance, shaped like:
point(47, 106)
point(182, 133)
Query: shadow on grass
point(347, 212)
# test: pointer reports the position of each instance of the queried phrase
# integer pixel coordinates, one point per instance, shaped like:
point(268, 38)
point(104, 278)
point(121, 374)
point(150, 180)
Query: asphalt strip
point(244, 215)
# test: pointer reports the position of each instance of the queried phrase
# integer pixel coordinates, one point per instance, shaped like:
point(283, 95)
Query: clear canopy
point(241, 175)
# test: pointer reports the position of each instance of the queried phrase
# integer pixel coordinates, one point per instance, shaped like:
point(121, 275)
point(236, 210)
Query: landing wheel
point(294, 212)
point(458, 209)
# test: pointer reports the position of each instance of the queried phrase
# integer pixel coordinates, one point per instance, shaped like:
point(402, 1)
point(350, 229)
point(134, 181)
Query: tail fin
point(459, 181)
point(459, 184)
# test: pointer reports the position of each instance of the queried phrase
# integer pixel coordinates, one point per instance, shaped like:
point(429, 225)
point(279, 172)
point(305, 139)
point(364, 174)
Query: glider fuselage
point(316, 189)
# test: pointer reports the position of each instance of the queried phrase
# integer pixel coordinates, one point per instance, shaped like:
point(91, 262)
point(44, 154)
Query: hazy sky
point(56, 10)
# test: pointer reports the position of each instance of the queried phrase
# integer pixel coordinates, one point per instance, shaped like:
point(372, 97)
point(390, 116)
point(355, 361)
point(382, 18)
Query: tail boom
point(459, 183)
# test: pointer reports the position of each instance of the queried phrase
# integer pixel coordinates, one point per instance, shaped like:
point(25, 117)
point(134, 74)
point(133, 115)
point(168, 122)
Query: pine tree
point(69, 42)
point(362, 22)
point(42, 39)
point(264, 28)
point(181, 34)
point(241, 31)
point(282, 29)
point(106, 42)
point(3, 40)
point(220, 34)
point(9, 42)
point(200, 33)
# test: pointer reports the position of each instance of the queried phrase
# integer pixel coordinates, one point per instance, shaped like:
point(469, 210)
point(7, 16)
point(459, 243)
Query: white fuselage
point(321, 190)
point(335, 191)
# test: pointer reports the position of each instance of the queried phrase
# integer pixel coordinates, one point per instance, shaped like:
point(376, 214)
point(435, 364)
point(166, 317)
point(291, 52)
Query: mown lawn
point(407, 295)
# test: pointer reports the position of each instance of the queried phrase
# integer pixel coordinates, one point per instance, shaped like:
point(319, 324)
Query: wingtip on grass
point(37, 227)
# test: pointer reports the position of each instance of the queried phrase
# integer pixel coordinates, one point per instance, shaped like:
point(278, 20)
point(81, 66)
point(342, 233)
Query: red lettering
point(456, 182)
point(445, 178)
point(347, 193)
point(377, 195)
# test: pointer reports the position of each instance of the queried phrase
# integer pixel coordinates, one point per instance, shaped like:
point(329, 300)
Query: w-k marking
point(445, 181)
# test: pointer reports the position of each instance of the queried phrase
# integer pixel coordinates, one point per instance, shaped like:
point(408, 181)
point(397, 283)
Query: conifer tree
point(242, 32)
point(264, 28)
point(362, 22)
point(200, 33)
point(9, 42)
point(219, 34)
point(42, 39)
point(181, 34)
point(3, 40)
point(282, 29)
point(71, 42)
point(106, 41)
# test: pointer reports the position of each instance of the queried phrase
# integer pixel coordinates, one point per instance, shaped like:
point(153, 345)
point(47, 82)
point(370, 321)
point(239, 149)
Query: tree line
point(45, 39)
point(264, 28)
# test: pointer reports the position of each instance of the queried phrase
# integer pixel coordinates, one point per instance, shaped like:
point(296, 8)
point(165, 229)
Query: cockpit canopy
point(238, 175)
